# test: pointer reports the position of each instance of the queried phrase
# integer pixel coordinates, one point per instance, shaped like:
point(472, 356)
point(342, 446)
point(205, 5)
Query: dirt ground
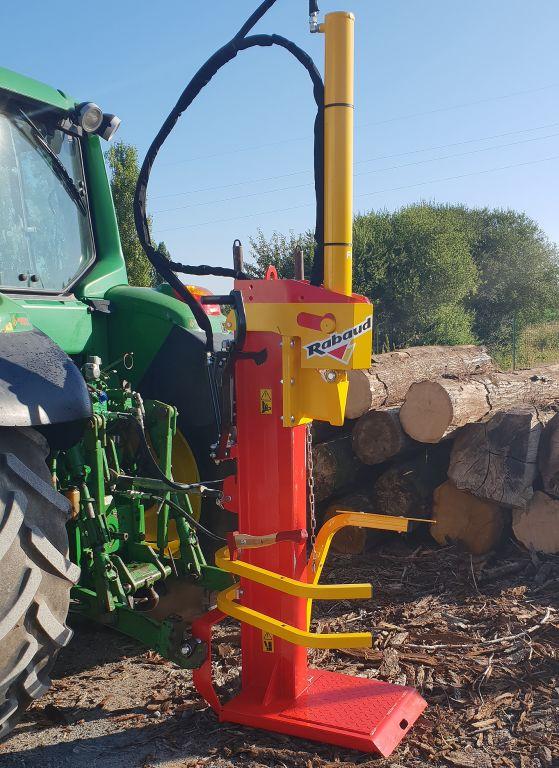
point(478, 637)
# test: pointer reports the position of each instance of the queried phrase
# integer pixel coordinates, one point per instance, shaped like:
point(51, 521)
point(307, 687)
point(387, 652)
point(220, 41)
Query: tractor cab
point(88, 405)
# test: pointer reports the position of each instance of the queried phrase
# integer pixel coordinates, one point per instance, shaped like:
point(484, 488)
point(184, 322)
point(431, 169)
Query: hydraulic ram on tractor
point(295, 341)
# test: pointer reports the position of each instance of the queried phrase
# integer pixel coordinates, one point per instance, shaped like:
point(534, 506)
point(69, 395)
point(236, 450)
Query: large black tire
point(35, 572)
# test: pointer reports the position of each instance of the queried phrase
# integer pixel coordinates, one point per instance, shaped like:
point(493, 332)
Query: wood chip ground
point(478, 637)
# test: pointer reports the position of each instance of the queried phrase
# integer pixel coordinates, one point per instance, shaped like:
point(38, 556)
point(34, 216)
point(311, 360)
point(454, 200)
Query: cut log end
point(360, 395)
point(378, 436)
point(476, 524)
point(392, 374)
point(537, 527)
point(434, 409)
point(427, 413)
point(497, 460)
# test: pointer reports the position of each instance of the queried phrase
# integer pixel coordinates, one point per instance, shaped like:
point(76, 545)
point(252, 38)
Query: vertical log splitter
point(295, 341)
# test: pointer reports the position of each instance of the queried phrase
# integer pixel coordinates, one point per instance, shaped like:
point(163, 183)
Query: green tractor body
point(109, 385)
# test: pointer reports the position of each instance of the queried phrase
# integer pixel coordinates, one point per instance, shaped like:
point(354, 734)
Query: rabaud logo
point(340, 346)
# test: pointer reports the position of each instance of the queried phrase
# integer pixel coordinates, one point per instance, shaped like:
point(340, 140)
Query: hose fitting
point(314, 11)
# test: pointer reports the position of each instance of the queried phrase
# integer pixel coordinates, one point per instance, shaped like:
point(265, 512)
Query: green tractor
point(109, 408)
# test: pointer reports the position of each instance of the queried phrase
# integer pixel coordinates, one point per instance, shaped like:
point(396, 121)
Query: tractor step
point(351, 712)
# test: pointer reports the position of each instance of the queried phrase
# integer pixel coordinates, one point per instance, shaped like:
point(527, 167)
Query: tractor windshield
point(45, 231)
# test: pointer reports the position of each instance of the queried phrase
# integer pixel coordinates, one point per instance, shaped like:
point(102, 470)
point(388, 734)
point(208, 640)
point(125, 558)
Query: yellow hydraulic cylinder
point(338, 150)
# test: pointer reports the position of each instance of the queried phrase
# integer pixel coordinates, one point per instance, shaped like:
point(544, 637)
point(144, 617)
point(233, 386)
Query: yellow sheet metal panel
point(344, 346)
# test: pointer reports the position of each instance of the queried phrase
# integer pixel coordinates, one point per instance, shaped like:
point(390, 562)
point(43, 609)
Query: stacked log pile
point(438, 432)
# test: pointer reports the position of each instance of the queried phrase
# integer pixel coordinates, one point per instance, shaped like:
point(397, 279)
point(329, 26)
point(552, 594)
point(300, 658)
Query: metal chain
point(310, 490)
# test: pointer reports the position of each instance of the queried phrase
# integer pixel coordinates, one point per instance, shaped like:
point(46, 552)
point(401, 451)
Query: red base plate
point(351, 712)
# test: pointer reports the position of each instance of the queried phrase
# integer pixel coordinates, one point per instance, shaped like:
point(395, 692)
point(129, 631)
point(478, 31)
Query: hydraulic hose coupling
point(313, 16)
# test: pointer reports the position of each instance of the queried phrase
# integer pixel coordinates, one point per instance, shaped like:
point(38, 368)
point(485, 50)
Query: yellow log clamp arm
point(311, 589)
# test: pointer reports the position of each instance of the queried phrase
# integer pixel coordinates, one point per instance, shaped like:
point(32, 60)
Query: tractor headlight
point(91, 119)
point(90, 116)
point(109, 126)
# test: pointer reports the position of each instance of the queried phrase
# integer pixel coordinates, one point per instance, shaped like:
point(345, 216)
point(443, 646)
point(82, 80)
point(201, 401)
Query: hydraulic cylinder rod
point(338, 151)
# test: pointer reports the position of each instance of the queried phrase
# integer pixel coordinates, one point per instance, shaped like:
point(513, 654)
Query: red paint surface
point(279, 692)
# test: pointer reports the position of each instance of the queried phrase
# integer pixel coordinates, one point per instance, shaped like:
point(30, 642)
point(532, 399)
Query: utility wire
point(394, 119)
point(358, 162)
point(362, 173)
point(461, 106)
point(366, 194)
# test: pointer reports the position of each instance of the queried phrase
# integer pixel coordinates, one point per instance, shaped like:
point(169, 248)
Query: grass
point(537, 344)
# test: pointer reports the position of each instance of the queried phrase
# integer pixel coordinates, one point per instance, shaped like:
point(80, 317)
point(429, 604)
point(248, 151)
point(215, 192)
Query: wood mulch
point(479, 637)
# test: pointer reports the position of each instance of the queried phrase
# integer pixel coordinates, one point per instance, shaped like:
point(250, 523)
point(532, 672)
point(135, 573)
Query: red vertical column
point(271, 477)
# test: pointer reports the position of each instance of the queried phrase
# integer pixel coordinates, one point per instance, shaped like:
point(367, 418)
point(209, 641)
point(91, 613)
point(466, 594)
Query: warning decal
point(267, 642)
point(266, 401)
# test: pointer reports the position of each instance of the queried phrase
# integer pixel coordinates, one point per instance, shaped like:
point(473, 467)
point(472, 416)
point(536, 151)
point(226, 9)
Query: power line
point(394, 119)
point(239, 150)
point(363, 173)
point(367, 194)
point(461, 176)
point(358, 162)
point(461, 106)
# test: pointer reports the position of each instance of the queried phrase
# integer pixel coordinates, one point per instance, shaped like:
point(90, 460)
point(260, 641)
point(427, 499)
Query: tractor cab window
point(45, 231)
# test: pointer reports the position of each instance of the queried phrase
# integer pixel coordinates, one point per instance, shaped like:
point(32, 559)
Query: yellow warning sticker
point(266, 401)
point(267, 642)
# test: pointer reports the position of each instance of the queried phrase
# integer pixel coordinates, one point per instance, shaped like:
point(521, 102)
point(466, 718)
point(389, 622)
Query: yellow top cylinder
point(338, 151)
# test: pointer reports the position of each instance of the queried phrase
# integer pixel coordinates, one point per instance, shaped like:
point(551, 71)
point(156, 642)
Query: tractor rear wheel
point(35, 572)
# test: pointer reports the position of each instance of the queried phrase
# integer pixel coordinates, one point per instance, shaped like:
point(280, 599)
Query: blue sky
point(456, 102)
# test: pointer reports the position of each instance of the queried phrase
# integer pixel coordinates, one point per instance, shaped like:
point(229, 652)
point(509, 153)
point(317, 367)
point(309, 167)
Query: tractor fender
point(39, 384)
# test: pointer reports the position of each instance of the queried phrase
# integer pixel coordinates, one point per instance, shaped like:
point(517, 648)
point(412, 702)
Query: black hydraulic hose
point(253, 20)
point(155, 468)
point(204, 75)
point(192, 520)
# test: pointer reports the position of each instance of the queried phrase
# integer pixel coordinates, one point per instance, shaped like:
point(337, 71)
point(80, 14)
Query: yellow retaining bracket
point(226, 600)
point(226, 604)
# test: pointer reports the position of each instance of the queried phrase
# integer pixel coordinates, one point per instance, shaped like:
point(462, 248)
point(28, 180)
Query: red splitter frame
point(279, 692)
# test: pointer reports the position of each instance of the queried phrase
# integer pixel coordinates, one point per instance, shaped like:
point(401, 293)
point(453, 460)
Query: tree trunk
point(335, 467)
point(498, 460)
point(476, 524)
point(392, 374)
point(351, 541)
point(537, 526)
point(378, 436)
point(406, 489)
point(433, 410)
point(548, 458)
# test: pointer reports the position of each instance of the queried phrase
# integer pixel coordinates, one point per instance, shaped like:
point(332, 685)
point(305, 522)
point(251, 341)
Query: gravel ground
point(478, 637)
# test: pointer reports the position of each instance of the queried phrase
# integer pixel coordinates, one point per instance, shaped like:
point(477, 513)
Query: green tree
point(414, 264)
point(279, 250)
point(518, 267)
point(123, 163)
point(444, 274)
point(162, 248)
